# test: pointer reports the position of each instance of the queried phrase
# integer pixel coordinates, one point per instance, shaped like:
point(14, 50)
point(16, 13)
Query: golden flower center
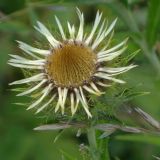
point(71, 65)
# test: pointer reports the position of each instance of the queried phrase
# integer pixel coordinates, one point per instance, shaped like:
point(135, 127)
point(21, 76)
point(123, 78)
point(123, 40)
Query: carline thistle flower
point(73, 67)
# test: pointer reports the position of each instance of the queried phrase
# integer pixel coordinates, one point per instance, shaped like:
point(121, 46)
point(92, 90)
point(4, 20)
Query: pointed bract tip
point(18, 41)
point(78, 9)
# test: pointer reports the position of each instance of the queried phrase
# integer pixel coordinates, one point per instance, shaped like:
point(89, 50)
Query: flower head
point(72, 67)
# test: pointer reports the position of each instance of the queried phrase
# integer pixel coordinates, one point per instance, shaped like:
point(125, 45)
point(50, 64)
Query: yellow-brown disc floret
point(71, 64)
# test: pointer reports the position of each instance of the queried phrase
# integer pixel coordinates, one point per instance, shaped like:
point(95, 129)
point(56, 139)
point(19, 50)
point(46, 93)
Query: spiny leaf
point(58, 126)
point(148, 118)
point(52, 127)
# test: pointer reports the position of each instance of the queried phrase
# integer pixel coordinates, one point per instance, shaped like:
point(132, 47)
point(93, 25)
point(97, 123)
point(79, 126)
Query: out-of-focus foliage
point(137, 19)
point(153, 23)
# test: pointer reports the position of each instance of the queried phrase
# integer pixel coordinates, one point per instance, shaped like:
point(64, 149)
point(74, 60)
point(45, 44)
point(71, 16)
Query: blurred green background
point(137, 19)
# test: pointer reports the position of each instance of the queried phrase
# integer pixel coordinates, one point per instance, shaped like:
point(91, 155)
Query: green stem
point(93, 144)
point(107, 157)
point(149, 53)
point(103, 145)
point(98, 152)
